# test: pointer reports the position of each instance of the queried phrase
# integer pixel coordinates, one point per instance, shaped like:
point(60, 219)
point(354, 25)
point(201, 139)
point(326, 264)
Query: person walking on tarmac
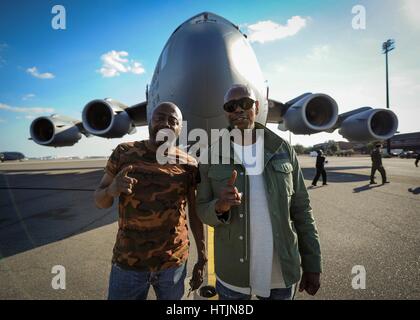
point(376, 157)
point(417, 159)
point(320, 170)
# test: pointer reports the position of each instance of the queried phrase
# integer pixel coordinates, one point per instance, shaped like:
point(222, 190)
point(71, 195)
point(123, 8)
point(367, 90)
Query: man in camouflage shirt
point(152, 242)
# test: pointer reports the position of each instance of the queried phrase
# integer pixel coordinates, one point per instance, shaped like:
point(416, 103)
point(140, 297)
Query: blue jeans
point(275, 294)
point(134, 285)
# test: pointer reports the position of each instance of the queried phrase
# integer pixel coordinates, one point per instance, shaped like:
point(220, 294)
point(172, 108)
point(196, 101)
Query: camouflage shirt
point(152, 225)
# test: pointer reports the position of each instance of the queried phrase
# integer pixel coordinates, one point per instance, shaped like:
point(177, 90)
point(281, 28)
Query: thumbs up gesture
point(229, 195)
point(122, 183)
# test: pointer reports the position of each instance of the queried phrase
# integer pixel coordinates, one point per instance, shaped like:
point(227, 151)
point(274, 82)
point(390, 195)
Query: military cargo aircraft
point(202, 58)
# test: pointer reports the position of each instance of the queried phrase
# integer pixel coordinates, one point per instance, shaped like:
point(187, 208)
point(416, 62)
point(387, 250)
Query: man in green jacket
point(264, 231)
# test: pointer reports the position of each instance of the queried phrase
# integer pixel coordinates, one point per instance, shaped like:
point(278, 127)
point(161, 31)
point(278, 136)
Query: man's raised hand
point(229, 195)
point(122, 183)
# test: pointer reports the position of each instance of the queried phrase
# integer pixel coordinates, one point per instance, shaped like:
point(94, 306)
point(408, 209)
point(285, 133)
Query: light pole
point(387, 46)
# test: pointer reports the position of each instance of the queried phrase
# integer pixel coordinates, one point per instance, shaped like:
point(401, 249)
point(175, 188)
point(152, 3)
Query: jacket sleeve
point(301, 215)
point(206, 201)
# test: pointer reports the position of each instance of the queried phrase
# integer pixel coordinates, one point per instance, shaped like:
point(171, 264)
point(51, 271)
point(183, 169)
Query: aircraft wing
point(276, 111)
point(311, 113)
point(107, 118)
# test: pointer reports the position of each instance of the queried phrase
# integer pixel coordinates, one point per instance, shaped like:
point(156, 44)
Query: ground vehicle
point(396, 152)
point(408, 155)
point(6, 156)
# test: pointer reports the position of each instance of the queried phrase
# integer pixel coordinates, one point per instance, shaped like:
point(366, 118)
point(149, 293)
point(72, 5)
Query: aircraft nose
point(199, 73)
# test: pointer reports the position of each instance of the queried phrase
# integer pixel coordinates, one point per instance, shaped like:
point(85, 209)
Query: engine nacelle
point(54, 131)
point(311, 114)
point(370, 125)
point(107, 118)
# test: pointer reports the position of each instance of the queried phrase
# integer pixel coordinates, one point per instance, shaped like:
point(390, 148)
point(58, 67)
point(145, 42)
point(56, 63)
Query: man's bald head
point(168, 106)
point(239, 114)
point(238, 91)
point(166, 115)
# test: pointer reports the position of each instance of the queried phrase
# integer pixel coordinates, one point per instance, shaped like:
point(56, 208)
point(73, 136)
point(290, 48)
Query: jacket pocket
point(284, 174)
point(282, 166)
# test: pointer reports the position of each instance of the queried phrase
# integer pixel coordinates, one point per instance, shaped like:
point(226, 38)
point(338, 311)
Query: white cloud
point(35, 110)
point(115, 63)
point(2, 120)
point(34, 72)
point(28, 96)
point(137, 68)
point(319, 53)
point(266, 31)
point(411, 9)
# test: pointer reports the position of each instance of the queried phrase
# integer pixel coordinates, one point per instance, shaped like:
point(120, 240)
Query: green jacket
point(295, 235)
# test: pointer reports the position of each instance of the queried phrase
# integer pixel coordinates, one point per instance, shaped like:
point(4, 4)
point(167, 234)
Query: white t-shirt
point(263, 276)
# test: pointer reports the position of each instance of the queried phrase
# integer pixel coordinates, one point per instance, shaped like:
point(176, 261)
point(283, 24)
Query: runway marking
point(211, 277)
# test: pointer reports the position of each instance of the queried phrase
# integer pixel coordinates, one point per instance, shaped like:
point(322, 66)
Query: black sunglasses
point(244, 103)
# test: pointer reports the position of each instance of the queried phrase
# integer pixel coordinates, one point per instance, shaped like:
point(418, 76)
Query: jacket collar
point(272, 144)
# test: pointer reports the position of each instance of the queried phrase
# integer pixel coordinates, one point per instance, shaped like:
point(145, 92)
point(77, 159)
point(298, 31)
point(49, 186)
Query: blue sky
point(44, 70)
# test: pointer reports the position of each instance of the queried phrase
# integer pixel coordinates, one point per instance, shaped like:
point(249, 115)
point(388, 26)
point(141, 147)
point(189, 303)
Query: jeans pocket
point(170, 283)
point(228, 294)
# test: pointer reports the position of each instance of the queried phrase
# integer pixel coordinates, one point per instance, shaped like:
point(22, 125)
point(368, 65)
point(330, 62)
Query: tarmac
point(48, 218)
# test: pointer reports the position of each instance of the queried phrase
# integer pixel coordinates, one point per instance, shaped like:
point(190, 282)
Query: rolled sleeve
point(112, 165)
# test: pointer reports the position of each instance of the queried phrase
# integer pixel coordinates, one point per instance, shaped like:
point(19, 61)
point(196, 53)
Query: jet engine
point(311, 113)
point(107, 118)
point(55, 131)
point(369, 125)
